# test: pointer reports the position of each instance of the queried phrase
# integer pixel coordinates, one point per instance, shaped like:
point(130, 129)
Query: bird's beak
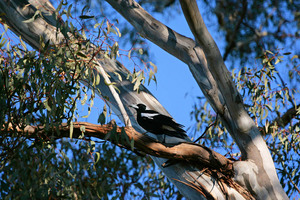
point(134, 106)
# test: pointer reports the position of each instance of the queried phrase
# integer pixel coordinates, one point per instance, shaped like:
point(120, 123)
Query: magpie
point(157, 123)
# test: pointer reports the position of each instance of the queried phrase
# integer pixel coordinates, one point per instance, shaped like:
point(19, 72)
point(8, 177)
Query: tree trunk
point(256, 172)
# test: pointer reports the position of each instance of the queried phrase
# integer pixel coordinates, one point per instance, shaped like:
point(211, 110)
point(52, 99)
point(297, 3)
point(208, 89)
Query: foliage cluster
point(250, 27)
point(68, 170)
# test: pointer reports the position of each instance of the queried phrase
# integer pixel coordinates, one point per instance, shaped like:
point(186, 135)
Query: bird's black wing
point(162, 124)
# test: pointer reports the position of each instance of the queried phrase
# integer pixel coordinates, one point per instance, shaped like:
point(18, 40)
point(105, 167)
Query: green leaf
point(114, 31)
point(97, 79)
point(71, 129)
point(298, 110)
point(96, 25)
point(46, 105)
point(93, 145)
point(270, 52)
point(265, 111)
point(69, 14)
point(5, 28)
point(277, 61)
point(82, 129)
point(151, 74)
point(269, 107)
point(22, 43)
point(102, 116)
point(297, 129)
point(97, 157)
point(59, 6)
point(83, 101)
point(294, 57)
point(154, 67)
point(141, 51)
point(83, 34)
point(138, 82)
point(86, 17)
point(119, 33)
point(115, 50)
point(118, 75)
point(108, 27)
point(89, 112)
point(79, 53)
point(129, 54)
point(8, 46)
point(32, 18)
point(117, 89)
point(132, 144)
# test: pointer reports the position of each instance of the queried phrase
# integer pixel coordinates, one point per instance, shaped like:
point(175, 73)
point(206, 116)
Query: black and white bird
point(157, 123)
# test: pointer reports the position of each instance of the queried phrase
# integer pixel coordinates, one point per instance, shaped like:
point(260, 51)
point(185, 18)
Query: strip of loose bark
point(186, 151)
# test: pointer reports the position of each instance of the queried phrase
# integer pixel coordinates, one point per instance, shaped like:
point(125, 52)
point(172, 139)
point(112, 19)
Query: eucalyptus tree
point(42, 88)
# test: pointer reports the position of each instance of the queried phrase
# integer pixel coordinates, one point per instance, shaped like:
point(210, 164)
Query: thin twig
point(206, 129)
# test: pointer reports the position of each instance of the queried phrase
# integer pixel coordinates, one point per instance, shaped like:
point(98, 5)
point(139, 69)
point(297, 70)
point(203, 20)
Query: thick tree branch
point(186, 151)
point(217, 67)
point(168, 39)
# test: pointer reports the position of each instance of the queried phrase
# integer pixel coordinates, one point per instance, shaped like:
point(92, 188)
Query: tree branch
point(232, 37)
point(284, 119)
point(190, 152)
point(217, 68)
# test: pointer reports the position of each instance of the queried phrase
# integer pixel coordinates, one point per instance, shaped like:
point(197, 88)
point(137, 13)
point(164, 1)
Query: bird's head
point(140, 107)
